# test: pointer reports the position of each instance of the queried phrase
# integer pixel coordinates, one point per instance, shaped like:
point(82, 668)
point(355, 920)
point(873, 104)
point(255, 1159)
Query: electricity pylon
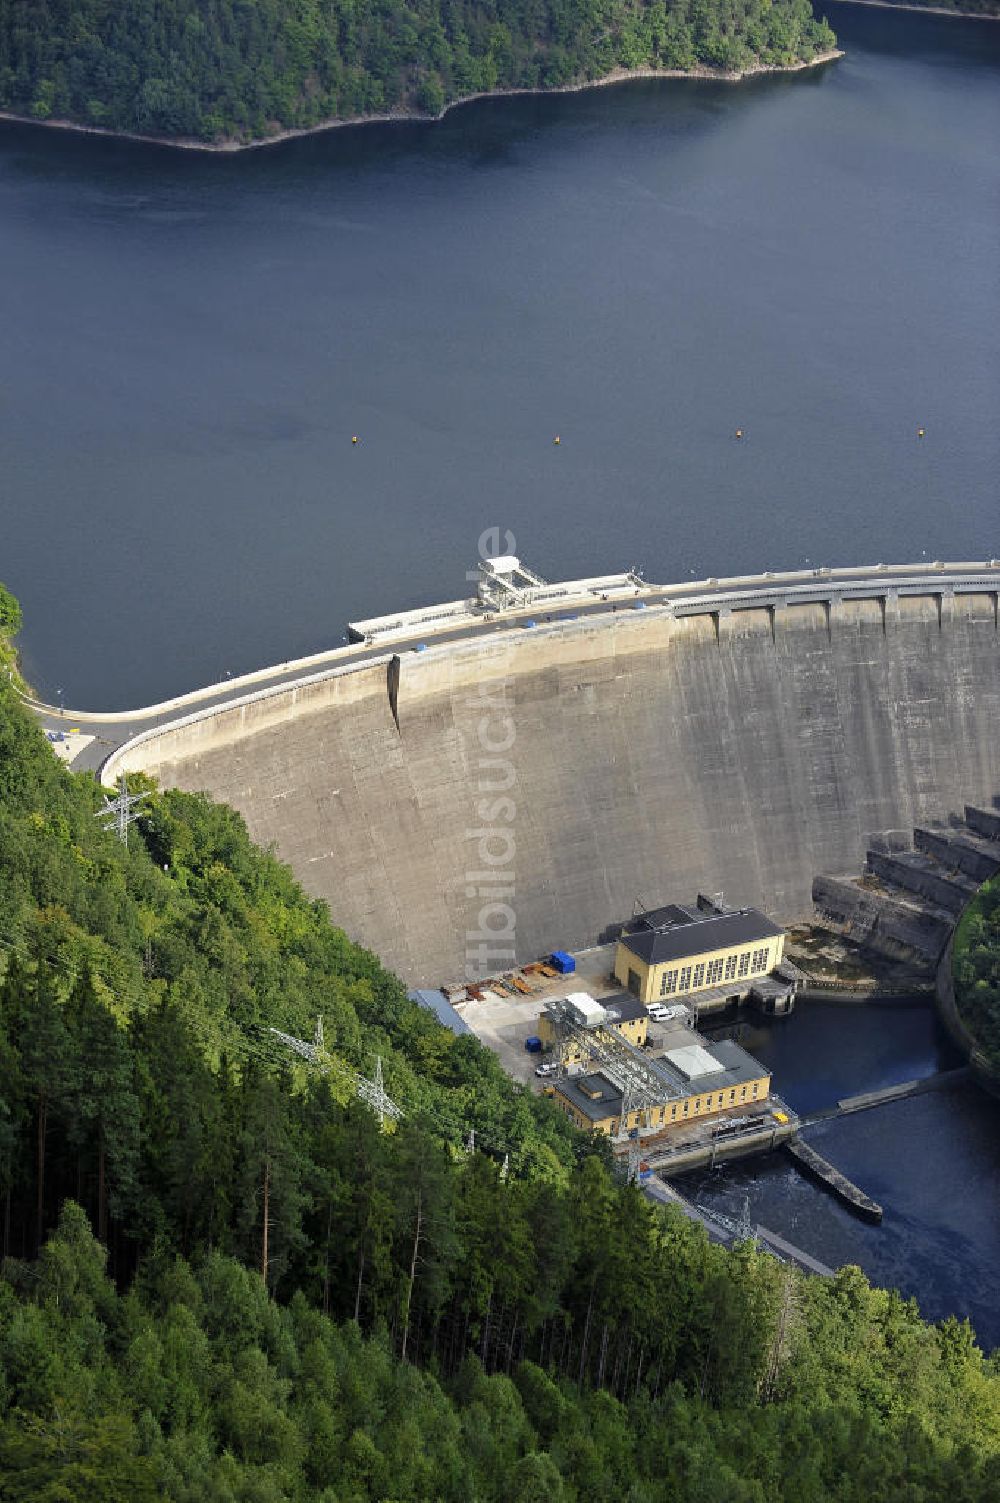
point(371, 1092)
point(118, 813)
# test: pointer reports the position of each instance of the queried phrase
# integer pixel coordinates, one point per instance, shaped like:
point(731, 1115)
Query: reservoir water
point(188, 342)
point(931, 1161)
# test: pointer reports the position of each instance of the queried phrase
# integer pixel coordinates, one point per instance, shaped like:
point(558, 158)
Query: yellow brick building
point(673, 952)
point(698, 1081)
point(625, 1015)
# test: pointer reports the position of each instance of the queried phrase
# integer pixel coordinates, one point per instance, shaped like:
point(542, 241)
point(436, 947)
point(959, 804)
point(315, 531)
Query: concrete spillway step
point(915, 872)
point(959, 851)
point(792, 1254)
point(818, 1168)
point(891, 923)
point(869, 1099)
point(985, 822)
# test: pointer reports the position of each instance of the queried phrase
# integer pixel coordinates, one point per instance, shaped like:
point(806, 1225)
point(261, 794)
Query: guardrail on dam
point(737, 735)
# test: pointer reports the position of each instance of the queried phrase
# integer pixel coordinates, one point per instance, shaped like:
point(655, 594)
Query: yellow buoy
point(557, 439)
point(920, 433)
point(739, 433)
point(354, 438)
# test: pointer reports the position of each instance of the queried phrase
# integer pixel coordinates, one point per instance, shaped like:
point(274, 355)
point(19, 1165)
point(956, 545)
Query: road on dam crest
point(738, 734)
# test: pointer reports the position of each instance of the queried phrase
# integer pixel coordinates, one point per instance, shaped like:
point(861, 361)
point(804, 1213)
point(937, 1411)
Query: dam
point(466, 803)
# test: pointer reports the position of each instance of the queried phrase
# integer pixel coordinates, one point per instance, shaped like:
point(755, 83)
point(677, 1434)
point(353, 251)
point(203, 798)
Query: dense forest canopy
point(218, 69)
point(976, 968)
point(221, 1283)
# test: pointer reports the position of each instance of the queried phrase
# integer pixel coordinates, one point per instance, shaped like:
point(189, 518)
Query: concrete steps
point(913, 888)
point(959, 851)
point(892, 923)
point(923, 876)
point(984, 822)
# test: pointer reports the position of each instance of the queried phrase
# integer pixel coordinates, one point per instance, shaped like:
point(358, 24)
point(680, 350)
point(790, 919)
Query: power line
point(118, 813)
point(371, 1092)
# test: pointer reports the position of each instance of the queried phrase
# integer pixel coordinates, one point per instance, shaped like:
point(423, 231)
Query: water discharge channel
point(931, 1161)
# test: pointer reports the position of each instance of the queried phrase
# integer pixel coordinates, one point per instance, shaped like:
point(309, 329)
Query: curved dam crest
point(651, 756)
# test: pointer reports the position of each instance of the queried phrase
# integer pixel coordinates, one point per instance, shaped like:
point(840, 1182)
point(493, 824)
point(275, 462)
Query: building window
point(732, 1094)
point(673, 1113)
point(685, 978)
point(671, 980)
point(759, 961)
point(714, 973)
point(699, 974)
point(634, 983)
point(754, 1088)
point(721, 1098)
point(730, 967)
point(744, 963)
point(743, 1093)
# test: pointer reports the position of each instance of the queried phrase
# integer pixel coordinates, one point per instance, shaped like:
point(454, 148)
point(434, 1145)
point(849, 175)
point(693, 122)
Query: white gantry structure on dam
point(513, 779)
point(504, 586)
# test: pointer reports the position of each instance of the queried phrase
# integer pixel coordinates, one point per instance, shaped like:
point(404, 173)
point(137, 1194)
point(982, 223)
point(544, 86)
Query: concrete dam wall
point(566, 771)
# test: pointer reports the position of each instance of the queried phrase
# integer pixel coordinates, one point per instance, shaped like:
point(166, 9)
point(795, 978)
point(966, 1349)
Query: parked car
point(657, 1013)
point(546, 1069)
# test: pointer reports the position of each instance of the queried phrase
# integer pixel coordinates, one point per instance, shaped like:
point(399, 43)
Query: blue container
point(533, 1044)
point(563, 962)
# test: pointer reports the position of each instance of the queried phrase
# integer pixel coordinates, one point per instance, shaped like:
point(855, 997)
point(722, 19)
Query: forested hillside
point(223, 69)
point(221, 1283)
point(976, 965)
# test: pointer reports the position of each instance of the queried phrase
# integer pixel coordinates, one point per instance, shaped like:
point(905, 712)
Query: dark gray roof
point(738, 1067)
point(435, 1002)
point(672, 934)
point(607, 1103)
point(623, 1007)
point(665, 917)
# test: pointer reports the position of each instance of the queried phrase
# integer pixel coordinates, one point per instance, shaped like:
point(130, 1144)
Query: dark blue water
point(933, 1162)
point(832, 1050)
point(187, 344)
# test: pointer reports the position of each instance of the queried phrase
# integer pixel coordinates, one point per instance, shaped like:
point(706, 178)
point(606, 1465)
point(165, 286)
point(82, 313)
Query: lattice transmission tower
point(371, 1092)
point(118, 813)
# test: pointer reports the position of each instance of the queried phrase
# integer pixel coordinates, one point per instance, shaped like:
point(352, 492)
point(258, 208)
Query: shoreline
point(406, 117)
point(927, 10)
